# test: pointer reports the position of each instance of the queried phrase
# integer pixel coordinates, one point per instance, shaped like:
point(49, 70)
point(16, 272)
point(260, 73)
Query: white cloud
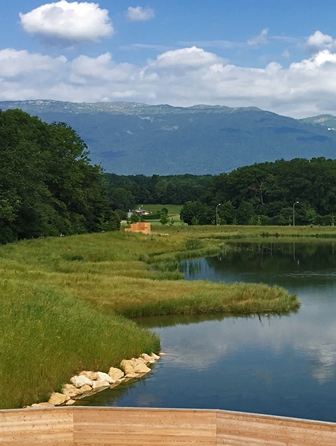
point(261, 39)
point(319, 42)
point(138, 14)
point(193, 57)
point(17, 64)
point(273, 334)
point(181, 77)
point(68, 23)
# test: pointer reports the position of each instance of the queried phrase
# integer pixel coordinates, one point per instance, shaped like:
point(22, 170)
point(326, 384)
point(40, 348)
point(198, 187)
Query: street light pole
point(217, 223)
point(294, 212)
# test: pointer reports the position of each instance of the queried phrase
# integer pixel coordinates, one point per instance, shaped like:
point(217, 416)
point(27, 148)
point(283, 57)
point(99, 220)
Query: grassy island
point(67, 302)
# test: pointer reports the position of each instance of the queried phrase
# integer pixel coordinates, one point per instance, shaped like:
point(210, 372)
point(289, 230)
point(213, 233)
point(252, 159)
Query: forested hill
point(47, 184)
point(269, 194)
point(132, 138)
point(260, 194)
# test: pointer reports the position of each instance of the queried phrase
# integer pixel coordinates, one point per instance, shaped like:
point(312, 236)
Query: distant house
point(141, 212)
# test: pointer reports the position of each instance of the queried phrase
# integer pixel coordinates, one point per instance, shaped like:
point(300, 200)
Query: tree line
point(298, 191)
point(47, 184)
point(270, 193)
point(126, 192)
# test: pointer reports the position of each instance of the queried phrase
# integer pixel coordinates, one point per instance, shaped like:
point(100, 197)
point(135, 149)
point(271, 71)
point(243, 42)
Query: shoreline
point(87, 383)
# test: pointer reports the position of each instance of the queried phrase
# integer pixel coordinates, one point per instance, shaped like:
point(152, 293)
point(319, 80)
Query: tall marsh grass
point(47, 335)
point(66, 302)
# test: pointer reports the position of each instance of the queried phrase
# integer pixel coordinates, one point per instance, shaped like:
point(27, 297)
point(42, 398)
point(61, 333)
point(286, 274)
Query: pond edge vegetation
point(71, 303)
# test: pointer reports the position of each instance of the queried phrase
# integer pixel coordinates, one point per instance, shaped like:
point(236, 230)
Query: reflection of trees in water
point(185, 319)
point(191, 268)
point(275, 257)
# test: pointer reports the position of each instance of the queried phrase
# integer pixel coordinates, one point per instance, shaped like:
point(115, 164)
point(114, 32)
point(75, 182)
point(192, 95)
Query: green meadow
point(173, 212)
point(173, 209)
point(71, 303)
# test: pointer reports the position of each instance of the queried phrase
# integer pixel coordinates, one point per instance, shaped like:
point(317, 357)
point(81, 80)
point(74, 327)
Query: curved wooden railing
point(90, 426)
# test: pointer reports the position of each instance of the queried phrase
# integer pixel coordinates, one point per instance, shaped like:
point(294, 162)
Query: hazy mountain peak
point(134, 138)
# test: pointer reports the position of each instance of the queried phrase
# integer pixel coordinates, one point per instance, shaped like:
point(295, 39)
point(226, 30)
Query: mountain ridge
point(130, 138)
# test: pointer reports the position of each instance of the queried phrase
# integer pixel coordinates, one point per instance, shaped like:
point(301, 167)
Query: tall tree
point(47, 184)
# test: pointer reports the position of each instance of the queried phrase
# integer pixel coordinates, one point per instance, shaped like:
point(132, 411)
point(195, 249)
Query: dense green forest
point(269, 194)
point(125, 192)
point(47, 184)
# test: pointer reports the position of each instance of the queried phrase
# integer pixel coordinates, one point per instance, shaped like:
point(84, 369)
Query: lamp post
point(217, 222)
point(294, 212)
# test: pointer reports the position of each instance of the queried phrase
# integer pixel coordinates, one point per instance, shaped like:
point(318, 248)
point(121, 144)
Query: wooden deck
point(77, 426)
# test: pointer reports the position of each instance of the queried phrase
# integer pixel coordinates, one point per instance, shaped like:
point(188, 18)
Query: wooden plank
point(83, 426)
point(36, 426)
point(144, 427)
point(256, 430)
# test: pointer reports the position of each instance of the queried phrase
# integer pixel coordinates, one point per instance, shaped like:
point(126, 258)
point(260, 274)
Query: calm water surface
point(272, 365)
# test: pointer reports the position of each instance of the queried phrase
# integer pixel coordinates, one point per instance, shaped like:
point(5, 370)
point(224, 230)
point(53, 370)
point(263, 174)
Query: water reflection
point(274, 365)
point(273, 263)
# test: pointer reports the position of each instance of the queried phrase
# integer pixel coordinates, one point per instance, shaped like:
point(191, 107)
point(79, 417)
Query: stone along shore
point(88, 382)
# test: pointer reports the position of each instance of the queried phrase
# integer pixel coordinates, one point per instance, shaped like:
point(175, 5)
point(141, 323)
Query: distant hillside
point(326, 120)
point(131, 138)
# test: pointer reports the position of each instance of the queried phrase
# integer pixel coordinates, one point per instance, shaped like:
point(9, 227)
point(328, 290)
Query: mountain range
point(132, 138)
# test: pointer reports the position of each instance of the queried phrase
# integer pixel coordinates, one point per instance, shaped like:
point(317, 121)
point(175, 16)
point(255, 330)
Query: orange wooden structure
point(145, 228)
point(100, 426)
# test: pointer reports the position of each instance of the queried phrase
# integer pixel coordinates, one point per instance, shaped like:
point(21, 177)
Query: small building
point(140, 212)
point(143, 227)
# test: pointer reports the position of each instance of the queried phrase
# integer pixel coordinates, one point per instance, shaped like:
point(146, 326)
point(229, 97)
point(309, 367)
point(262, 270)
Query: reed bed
point(47, 336)
point(66, 302)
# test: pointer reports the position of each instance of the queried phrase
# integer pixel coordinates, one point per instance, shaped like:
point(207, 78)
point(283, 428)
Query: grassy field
point(67, 301)
point(173, 211)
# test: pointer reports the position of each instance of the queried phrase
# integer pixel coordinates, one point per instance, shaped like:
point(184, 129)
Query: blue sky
point(278, 55)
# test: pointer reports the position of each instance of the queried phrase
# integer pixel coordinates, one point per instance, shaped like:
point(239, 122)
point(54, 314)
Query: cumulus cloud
point(68, 23)
point(319, 42)
point(261, 39)
point(182, 77)
point(193, 57)
point(139, 14)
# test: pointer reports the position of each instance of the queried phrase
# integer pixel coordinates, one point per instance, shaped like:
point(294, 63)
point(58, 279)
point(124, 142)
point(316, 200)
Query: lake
point(269, 364)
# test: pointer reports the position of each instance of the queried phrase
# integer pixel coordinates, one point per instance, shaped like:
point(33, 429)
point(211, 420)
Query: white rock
point(84, 389)
point(132, 375)
point(127, 366)
point(141, 368)
point(101, 376)
point(89, 374)
point(70, 402)
point(140, 360)
point(41, 405)
point(116, 374)
point(148, 358)
point(80, 381)
point(154, 356)
point(57, 399)
point(71, 390)
point(99, 384)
